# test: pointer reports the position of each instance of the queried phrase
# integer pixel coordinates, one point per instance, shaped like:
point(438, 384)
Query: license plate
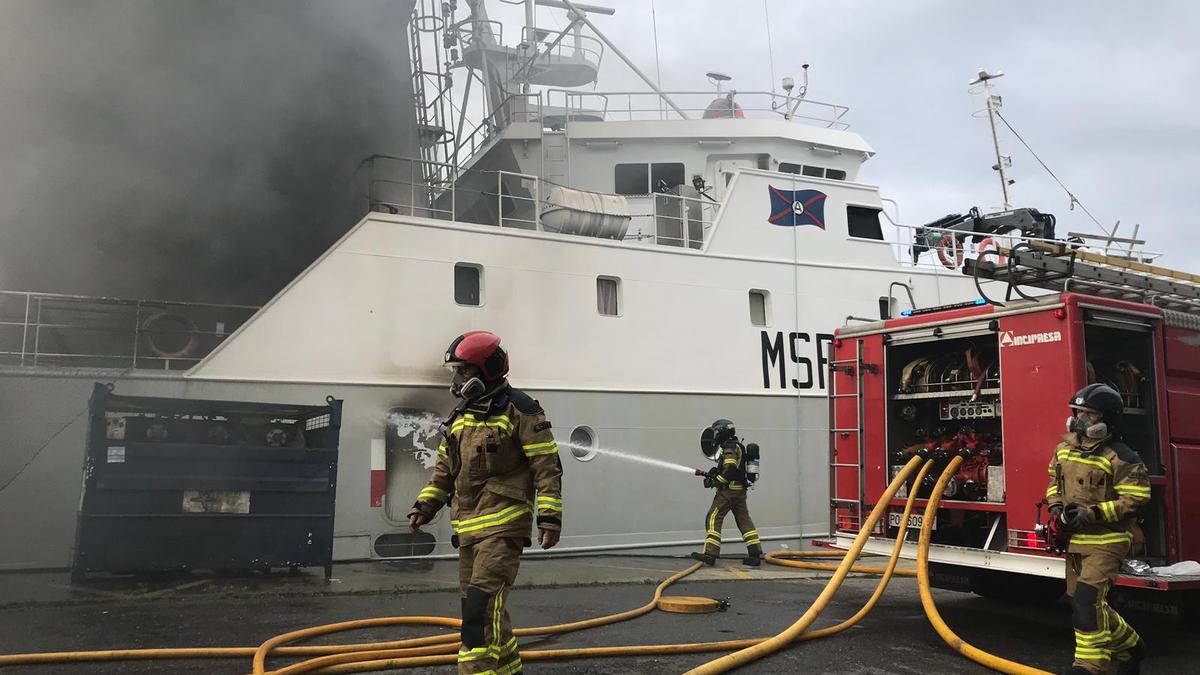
point(914, 520)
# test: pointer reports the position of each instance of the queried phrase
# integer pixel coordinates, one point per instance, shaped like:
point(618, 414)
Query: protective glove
point(1056, 511)
point(1079, 517)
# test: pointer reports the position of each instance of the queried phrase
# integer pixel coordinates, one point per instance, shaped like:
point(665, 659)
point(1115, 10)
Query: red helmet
point(482, 349)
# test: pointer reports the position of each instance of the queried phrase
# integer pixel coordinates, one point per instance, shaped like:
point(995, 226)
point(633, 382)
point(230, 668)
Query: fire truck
point(991, 380)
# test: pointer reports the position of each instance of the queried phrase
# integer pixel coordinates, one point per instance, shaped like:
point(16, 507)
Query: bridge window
point(643, 179)
point(863, 222)
point(813, 171)
point(665, 177)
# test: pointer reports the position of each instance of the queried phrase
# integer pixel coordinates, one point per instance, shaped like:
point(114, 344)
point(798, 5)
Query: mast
point(993, 107)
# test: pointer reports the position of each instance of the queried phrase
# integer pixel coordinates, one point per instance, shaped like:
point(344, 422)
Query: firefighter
point(731, 480)
point(1097, 482)
point(498, 463)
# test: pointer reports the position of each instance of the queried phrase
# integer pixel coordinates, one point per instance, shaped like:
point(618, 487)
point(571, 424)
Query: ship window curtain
point(608, 291)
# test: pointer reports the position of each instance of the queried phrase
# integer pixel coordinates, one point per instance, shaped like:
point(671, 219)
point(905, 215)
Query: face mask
point(1079, 426)
point(466, 389)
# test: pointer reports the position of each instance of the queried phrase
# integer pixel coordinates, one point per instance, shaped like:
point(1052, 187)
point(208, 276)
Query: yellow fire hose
point(786, 559)
point(774, 644)
point(364, 662)
point(451, 640)
point(441, 649)
point(975, 654)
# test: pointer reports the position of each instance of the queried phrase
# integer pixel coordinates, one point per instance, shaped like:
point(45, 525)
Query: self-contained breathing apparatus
point(713, 439)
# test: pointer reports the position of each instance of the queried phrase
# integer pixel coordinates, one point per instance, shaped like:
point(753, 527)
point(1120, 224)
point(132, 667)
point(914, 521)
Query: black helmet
point(722, 431)
point(1099, 398)
point(714, 436)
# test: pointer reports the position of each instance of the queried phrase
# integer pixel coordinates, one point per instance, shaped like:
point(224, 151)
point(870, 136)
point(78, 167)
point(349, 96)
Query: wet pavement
point(42, 612)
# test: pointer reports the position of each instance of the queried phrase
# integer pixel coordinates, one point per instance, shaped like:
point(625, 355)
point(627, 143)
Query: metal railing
point(58, 330)
point(902, 245)
point(495, 122)
point(671, 220)
point(642, 105)
point(577, 47)
point(397, 185)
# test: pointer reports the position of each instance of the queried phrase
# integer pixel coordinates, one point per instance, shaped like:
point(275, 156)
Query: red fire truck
point(992, 379)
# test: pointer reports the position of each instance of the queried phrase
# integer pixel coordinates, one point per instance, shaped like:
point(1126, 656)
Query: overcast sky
point(225, 133)
point(1105, 92)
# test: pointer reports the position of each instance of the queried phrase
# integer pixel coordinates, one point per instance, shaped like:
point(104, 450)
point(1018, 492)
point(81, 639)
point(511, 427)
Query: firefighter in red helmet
point(1097, 482)
point(498, 465)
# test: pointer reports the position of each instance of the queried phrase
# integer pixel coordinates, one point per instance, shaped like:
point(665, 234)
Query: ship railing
point(641, 105)
point(79, 331)
point(667, 219)
point(514, 108)
point(401, 185)
point(397, 185)
point(905, 236)
point(552, 45)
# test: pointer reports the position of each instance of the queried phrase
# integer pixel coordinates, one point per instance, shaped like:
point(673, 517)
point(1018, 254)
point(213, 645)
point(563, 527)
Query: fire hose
point(441, 649)
point(975, 654)
point(359, 662)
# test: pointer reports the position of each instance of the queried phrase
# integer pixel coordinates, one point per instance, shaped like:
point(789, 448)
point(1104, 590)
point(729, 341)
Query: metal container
point(183, 484)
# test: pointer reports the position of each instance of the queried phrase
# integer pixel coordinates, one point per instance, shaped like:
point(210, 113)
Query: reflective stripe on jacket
point(498, 464)
point(1106, 476)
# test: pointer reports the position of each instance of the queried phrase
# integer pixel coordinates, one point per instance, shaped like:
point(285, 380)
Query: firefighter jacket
point(1105, 476)
point(495, 459)
point(731, 467)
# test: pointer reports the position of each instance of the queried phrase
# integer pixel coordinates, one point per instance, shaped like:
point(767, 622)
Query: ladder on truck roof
point(1066, 268)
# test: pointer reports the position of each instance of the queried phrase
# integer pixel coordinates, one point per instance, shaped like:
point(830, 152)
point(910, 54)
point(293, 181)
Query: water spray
point(621, 454)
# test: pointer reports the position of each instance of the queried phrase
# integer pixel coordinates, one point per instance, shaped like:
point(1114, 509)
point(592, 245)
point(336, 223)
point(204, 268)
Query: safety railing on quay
point(78, 331)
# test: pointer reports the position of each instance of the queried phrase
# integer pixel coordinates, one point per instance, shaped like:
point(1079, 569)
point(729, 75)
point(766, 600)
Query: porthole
point(583, 443)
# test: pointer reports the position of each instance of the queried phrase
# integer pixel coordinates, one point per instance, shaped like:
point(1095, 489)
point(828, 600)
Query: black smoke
point(190, 149)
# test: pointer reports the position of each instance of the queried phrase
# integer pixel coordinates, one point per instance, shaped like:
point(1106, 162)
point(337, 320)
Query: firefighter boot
point(1076, 670)
point(1133, 665)
point(754, 559)
point(705, 558)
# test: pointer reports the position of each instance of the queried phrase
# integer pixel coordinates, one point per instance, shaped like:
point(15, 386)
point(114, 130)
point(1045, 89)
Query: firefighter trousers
point(487, 570)
point(724, 501)
point(1101, 634)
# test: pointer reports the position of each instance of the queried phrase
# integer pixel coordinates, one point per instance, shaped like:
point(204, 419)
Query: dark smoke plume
point(190, 149)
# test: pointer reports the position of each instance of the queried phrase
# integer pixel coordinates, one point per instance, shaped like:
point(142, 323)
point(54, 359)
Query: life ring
point(989, 244)
point(162, 333)
point(950, 242)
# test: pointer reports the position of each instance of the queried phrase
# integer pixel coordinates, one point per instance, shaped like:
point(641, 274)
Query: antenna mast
point(993, 105)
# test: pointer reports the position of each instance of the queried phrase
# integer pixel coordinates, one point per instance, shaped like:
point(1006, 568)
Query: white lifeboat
point(587, 214)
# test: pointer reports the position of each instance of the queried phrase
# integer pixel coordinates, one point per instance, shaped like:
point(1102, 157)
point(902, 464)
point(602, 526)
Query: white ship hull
point(368, 323)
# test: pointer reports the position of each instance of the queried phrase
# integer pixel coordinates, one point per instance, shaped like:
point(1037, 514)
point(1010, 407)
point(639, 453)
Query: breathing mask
point(1079, 424)
point(466, 388)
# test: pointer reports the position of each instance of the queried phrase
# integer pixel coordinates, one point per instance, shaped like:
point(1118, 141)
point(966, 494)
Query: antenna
point(790, 102)
point(993, 106)
point(717, 78)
